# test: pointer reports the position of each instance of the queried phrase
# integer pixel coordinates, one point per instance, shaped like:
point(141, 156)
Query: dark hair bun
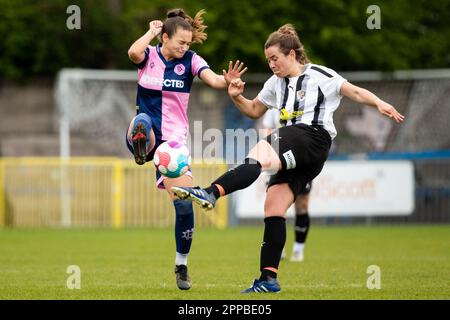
point(176, 13)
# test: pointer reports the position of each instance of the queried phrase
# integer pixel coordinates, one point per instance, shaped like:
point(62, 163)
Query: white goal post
point(83, 96)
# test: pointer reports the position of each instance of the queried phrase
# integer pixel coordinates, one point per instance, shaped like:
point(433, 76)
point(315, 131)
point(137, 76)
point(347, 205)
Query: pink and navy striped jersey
point(163, 91)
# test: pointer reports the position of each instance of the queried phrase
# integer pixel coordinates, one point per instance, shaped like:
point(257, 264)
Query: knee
point(268, 214)
point(301, 204)
point(266, 164)
point(143, 117)
point(272, 210)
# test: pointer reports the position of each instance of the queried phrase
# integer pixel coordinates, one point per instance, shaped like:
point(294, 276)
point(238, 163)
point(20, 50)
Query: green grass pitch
point(138, 263)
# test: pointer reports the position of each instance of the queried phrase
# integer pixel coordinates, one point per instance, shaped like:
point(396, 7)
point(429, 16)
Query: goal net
point(95, 107)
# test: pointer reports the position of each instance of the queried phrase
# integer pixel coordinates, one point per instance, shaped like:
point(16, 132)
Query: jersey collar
point(158, 49)
point(303, 71)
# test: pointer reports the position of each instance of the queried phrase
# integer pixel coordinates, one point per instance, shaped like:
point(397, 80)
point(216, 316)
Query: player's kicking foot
point(182, 276)
point(140, 144)
point(261, 286)
point(198, 195)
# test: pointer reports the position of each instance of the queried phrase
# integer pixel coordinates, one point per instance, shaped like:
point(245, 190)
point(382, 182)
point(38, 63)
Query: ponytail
point(177, 18)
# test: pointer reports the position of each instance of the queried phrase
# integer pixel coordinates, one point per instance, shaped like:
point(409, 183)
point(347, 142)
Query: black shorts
point(307, 188)
point(303, 150)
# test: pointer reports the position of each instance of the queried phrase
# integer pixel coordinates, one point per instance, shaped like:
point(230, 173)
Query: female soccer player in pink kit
point(165, 76)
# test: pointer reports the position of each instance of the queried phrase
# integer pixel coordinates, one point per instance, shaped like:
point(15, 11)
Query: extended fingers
point(237, 66)
point(393, 113)
point(243, 71)
point(399, 117)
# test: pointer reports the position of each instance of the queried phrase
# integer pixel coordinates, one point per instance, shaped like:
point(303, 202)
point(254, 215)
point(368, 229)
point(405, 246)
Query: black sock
point(214, 190)
point(301, 227)
point(237, 178)
point(272, 246)
point(266, 274)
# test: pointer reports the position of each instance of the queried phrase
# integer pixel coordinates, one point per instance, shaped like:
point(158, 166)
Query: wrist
point(377, 101)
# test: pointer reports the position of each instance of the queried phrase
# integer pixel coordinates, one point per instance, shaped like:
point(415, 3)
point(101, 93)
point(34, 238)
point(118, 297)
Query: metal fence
point(92, 192)
point(111, 192)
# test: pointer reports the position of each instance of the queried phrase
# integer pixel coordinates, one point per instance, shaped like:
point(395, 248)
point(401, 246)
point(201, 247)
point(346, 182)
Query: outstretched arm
point(366, 97)
point(251, 108)
point(221, 82)
point(136, 53)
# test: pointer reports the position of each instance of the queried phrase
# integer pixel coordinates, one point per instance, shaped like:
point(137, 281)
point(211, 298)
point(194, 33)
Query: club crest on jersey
point(179, 69)
point(301, 95)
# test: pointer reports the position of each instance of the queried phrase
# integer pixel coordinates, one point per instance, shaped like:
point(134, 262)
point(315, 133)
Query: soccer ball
point(172, 159)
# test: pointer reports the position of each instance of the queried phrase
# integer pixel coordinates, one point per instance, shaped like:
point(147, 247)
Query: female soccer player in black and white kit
point(271, 121)
point(306, 96)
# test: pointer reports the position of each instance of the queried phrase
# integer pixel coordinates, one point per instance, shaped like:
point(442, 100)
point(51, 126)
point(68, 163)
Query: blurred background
point(67, 96)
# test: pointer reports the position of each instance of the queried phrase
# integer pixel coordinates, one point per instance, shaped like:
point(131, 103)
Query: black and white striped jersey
point(271, 119)
point(310, 98)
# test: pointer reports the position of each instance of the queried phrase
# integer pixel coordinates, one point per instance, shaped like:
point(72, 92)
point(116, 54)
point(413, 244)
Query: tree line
point(412, 34)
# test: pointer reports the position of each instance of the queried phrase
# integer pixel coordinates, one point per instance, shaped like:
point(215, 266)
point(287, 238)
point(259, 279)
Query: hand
point(155, 27)
point(389, 111)
point(234, 72)
point(236, 88)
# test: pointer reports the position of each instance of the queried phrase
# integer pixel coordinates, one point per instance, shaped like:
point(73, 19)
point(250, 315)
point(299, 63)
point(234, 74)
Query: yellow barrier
point(93, 192)
point(2, 195)
point(117, 194)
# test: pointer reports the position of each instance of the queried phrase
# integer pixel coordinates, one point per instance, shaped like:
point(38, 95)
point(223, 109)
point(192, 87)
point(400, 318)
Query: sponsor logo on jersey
point(166, 83)
point(286, 115)
point(290, 160)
